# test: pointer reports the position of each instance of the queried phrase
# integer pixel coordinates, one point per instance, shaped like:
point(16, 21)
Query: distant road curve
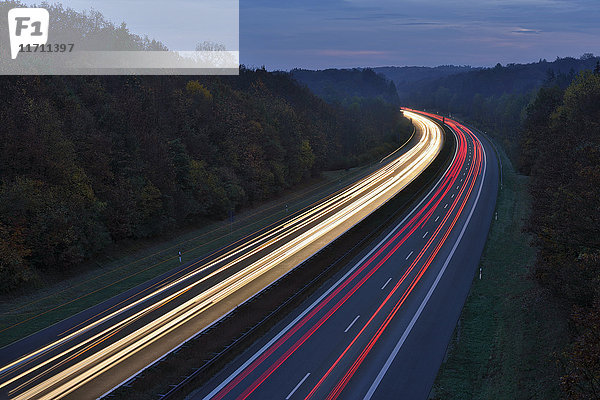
point(92, 352)
point(380, 329)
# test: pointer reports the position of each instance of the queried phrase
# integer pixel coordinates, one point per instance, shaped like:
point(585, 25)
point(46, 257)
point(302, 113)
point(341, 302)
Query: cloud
point(351, 53)
point(527, 31)
point(347, 33)
point(421, 23)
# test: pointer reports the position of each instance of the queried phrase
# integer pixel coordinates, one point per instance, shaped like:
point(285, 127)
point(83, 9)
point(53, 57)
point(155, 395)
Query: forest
point(90, 161)
point(86, 162)
point(495, 99)
point(561, 152)
point(408, 80)
point(348, 86)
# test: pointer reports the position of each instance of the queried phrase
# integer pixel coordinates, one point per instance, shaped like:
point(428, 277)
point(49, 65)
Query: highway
point(87, 355)
point(380, 329)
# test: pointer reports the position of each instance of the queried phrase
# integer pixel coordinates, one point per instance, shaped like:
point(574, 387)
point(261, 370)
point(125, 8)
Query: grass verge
point(510, 329)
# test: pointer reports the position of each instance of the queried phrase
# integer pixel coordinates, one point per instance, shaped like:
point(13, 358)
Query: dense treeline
point(495, 98)
point(88, 161)
point(561, 151)
point(409, 80)
point(348, 86)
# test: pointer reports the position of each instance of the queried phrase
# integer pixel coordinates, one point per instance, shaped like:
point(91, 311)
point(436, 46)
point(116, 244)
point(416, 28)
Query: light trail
point(472, 177)
point(400, 237)
point(435, 241)
point(88, 350)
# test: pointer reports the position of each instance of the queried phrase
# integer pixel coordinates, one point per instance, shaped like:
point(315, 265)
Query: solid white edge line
point(297, 386)
point(336, 284)
point(394, 352)
point(352, 323)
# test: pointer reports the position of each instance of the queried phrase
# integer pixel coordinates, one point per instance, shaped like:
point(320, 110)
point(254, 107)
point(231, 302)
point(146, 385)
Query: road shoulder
point(508, 325)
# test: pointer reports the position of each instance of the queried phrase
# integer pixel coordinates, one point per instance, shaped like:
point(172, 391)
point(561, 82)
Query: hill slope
point(346, 85)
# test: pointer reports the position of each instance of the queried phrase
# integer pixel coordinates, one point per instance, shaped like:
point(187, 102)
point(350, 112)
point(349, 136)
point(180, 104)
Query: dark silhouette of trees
point(493, 98)
point(562, 152)
point(89, 161)
point(347, 86)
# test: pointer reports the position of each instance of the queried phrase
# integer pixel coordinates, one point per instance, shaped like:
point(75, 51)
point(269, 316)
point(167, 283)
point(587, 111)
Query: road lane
point(407, 327)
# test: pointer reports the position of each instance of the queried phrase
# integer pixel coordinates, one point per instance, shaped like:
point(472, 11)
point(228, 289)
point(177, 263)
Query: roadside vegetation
point(91, 162)
point(134, 262)
point(530, 327)
point(88, 163)
point(562, 136)
point(511, 330)
point(104, 180)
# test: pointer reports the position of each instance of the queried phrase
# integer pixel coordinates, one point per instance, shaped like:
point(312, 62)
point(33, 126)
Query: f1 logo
point(28, 26)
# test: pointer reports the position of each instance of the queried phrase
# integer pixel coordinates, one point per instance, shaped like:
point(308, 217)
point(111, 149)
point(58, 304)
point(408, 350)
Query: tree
point(582, 358)
point(86, 161)
point(14, 268)
point(562, 134)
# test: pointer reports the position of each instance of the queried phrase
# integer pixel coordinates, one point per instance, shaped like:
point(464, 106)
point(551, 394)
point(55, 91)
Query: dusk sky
point(283, 34)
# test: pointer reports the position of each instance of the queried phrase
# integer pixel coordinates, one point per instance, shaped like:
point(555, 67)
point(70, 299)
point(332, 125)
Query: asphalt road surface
point(92, 352)
point(380, 329)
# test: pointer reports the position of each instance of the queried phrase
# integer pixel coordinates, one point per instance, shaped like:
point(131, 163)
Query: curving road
point(380, 329)
point(90, 353)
